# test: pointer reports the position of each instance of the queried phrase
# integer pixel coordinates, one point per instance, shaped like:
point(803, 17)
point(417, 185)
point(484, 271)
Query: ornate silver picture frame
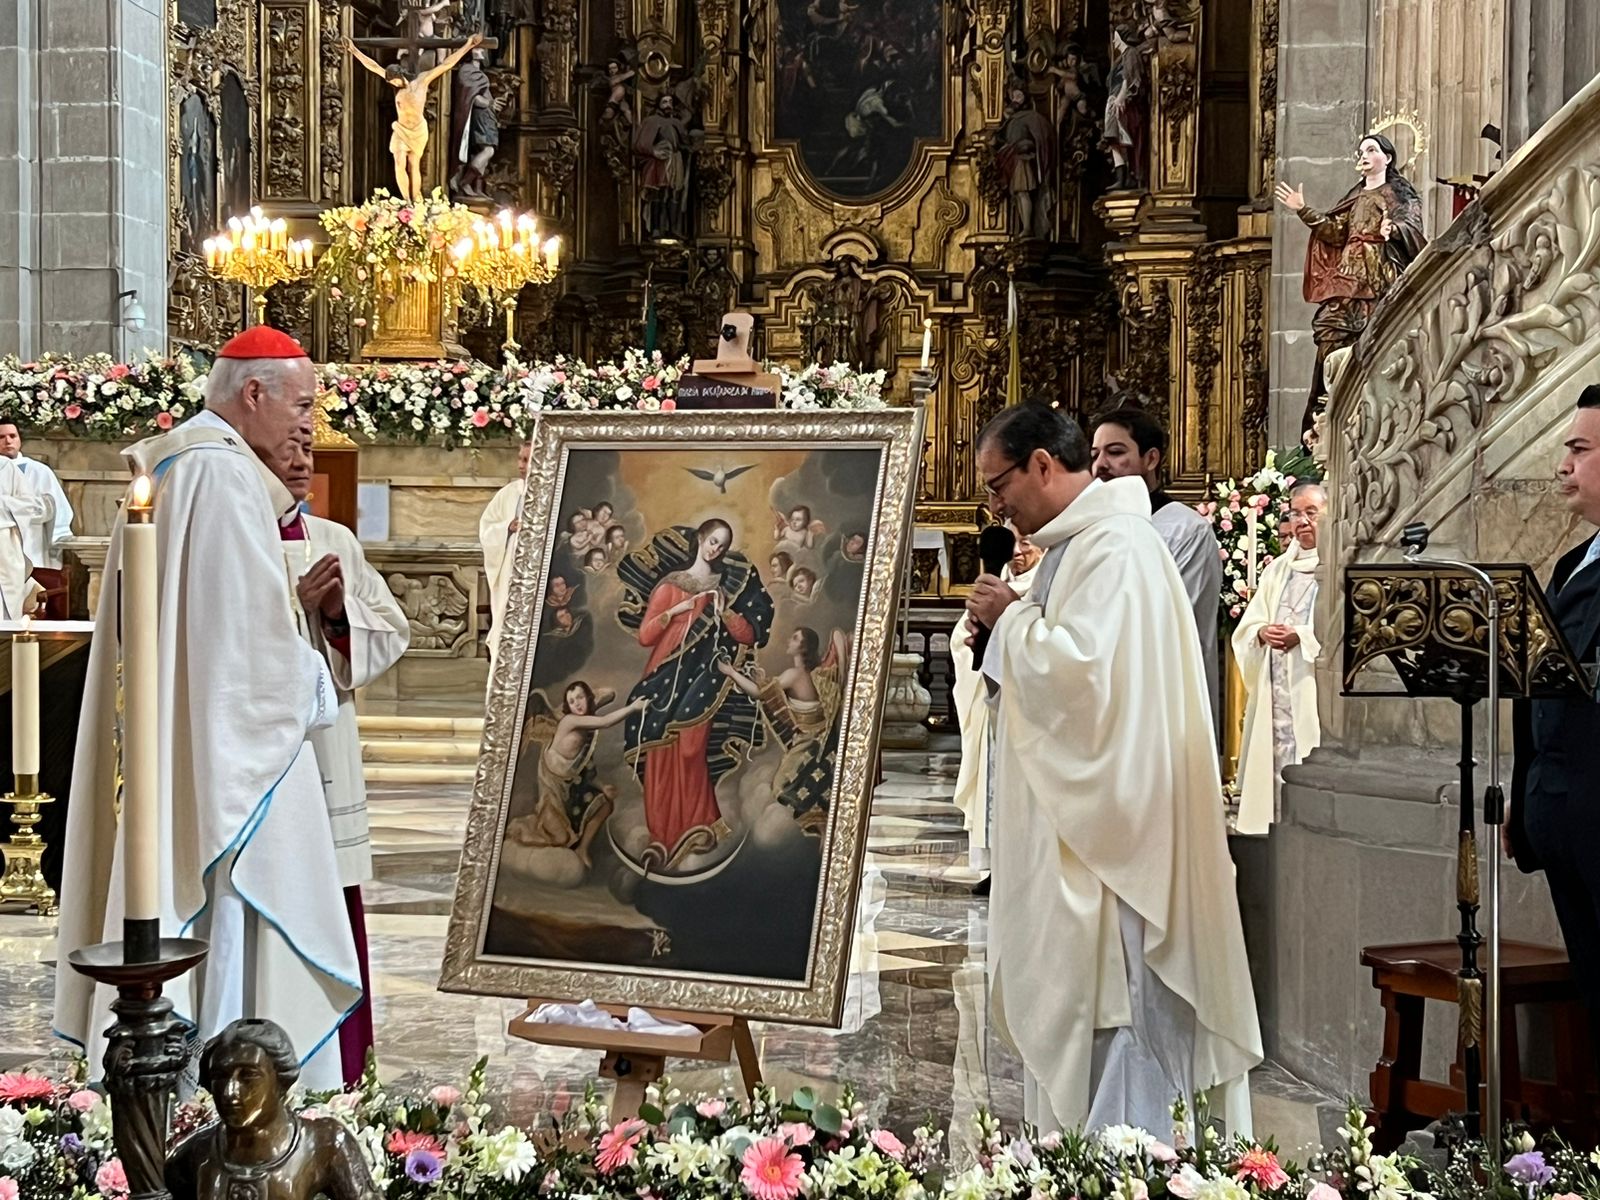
point(678, 760)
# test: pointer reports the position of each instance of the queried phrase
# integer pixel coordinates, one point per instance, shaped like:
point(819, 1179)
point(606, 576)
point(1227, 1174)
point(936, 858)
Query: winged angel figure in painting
point(800, 707)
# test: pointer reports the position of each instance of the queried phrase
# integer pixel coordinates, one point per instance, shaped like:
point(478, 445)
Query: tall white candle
point(25, 705)
point(1250, 546)
point(141, 707)
point(927, 342)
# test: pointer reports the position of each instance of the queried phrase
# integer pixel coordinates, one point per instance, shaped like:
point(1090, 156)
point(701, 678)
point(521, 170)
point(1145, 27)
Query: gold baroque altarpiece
point(846, 170)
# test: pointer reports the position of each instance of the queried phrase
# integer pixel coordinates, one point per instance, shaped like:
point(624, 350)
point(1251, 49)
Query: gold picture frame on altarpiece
point(646, 828)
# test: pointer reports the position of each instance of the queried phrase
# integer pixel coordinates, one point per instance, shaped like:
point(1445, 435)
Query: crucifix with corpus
point(411, 78)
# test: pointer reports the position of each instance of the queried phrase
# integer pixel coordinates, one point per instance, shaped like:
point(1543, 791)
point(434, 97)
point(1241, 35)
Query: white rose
point(12, 1123)
point(18, 1156)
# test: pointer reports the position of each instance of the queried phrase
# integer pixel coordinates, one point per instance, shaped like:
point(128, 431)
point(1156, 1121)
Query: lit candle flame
point(143, 493)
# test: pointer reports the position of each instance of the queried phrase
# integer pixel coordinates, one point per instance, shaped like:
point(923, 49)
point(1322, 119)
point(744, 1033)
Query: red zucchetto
point(262, 342)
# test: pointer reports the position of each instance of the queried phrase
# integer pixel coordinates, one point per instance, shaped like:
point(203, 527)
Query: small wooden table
point(1410, 974)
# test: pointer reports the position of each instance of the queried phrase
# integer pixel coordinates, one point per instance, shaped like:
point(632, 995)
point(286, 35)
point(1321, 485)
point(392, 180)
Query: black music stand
point(1430, 622)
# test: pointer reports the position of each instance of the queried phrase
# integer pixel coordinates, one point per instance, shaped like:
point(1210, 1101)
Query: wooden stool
point(1408, 975)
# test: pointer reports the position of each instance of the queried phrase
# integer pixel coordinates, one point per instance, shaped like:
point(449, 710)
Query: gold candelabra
point(258, 252)
point(501, 257)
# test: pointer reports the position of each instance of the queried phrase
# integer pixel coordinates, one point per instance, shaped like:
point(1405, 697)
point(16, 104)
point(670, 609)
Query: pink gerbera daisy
point(1261, 1167)
point(771, 1172)
point(402, 1142)
point(618, 1147)
point(21, 1085)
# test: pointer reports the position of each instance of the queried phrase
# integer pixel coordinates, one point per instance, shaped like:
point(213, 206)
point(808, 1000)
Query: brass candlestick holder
point(258, 253)
point(503, 256)
point(23, 882)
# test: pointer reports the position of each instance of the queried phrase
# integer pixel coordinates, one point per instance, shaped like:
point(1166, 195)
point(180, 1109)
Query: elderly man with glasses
point(1277, 649)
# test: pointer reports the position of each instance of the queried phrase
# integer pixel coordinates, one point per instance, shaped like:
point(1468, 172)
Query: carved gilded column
point(1174, 136)
point(1264, 101)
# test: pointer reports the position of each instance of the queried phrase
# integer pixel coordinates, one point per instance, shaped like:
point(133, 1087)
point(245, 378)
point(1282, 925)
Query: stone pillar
point(83, 190)
point(1552, 48)
point(1322, 69)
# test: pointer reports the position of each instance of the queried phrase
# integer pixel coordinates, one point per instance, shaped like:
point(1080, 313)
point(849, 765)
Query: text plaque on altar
point(728, 392)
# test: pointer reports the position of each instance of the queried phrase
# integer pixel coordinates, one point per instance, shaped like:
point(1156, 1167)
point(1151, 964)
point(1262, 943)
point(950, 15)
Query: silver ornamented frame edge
point(818, 1000)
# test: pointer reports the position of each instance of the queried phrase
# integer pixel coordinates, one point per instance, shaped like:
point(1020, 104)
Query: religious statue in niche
point(474, 127)
point(1358, 248)
point(409, 140)
point(661, 148)
point(1025, 153)
point(1127, 108)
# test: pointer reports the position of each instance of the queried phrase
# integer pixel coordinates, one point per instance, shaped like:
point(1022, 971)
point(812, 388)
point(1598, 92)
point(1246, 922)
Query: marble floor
point(916, 1039)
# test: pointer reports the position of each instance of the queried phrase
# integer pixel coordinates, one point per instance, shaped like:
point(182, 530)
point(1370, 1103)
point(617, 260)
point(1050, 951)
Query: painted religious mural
point(856, 85)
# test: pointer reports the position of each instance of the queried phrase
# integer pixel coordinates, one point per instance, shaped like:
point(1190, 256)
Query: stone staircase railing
point(1452, 408)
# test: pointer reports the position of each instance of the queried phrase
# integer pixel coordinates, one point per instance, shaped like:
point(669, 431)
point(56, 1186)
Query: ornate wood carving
point(287, 108)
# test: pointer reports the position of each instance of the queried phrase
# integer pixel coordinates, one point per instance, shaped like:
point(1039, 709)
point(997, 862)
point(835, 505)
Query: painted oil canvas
point(672, 802)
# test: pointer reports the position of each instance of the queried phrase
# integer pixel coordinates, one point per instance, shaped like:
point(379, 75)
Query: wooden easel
point(634, 1061)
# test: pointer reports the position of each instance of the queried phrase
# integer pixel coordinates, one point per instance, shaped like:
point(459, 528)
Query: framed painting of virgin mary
point(672, 798)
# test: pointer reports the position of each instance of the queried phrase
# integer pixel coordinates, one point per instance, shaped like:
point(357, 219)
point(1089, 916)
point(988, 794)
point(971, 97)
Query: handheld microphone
point(996, 545)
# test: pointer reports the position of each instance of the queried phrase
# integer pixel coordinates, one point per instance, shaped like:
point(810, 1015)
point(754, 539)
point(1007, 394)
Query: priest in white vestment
point(1276, 647)
point(1116, 953)
point(245, 850)
point(42, 540)
point(497, 533)
point(25, 519)
point(347, 613)
point(972, 710)
point(1129, 441)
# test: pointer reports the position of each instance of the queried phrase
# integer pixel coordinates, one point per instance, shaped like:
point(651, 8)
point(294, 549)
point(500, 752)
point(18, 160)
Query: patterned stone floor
point(915, 1041)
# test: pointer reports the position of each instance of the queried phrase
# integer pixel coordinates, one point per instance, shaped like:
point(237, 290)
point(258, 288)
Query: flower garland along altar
point(461, 403)
point(55, 1144)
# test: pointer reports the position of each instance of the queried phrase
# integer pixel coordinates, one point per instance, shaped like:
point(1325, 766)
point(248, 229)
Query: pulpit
point(1432, 623)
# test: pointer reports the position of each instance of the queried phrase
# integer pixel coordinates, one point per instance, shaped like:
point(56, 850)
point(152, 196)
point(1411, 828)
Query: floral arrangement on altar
point(457, 403)
point(442, 1144)
point(384, 241)
point(1245, 516)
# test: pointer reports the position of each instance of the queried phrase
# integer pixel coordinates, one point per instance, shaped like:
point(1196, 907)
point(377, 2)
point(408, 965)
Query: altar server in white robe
point(245, 850)
point(1129, 441)
point(1109, 841)
point(1276, 647)
point(25, 520)
point(42, 540)
point(497, 533)
point(972, 707)
point(350, 617)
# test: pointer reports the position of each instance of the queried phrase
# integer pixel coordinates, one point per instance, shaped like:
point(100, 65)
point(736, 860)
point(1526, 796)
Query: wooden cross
point(414, 43)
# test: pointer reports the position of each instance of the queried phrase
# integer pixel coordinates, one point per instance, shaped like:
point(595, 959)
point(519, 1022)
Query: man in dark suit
point(1554, 823)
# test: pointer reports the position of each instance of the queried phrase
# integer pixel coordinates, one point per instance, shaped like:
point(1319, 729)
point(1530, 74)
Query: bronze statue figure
point(1357, 250)
point(258, 1149)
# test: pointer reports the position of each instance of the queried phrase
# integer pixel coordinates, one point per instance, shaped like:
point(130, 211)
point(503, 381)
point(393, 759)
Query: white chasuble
point(972, 711)
point(499, 545)
point(1281, 723)
point(245, 852)
point(379, 635)
point(26, 517)
point(1116, 953)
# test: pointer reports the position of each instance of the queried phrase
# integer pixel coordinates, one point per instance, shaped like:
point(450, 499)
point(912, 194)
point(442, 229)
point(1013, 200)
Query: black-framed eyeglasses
point(992, 486)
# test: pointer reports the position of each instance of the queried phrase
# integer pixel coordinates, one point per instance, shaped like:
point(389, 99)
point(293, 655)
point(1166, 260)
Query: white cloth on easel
point(589, 1015)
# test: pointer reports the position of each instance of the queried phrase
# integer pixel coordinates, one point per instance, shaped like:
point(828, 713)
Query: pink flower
point(9, 1189)
point(771, 1172)
point(82, 1101)
point(405, 215)
point(1324, 1192)
point(480, 418)
point(650, 383)
point(445, 1096)
point(797, 1134)
point(1163, 1153)
point(402, 1142)
point(20, 1085)
point(1261, 1168)
point(72, 412)
point(887, 1143)
point(669, 406)
point(111, 1180)
point(617, 1146)
point(1225, 525)
point(163, 420)
point(548, 1183)
point(348, 385)
point(120, 371)
point(711, 1109)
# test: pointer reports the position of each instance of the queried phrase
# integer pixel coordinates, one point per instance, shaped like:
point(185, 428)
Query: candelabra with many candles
point(258, 253)
point(501, 257)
